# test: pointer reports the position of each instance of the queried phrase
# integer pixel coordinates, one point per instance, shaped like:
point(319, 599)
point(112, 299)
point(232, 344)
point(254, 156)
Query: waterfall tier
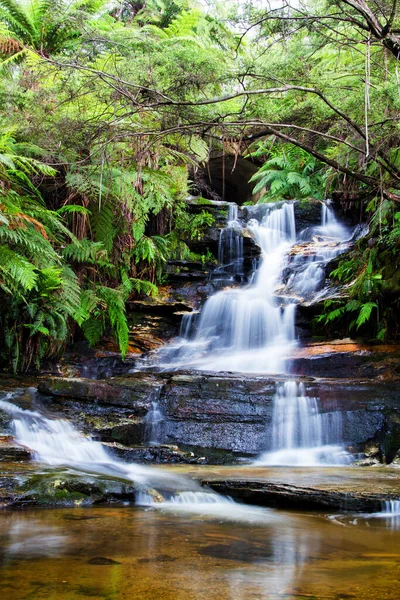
point(252, 329)
point(300, 435)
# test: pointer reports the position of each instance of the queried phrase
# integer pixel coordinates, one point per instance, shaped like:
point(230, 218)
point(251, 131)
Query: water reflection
point(147, 554)
point(388, 517)
point(27, 538)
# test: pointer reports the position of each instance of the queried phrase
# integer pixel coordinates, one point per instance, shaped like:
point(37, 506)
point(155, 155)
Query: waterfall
point(300, 434)
point(318, 245)
point(391, 508)
point(244, 329)
point(230, 246)
point(252, 329)
point(154, 423)
point(57, 443)
point(391, 513)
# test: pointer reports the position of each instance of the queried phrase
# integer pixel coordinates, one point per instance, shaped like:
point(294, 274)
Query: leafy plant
point(291, 174)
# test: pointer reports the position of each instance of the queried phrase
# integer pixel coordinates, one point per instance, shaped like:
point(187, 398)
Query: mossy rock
point(66, 489)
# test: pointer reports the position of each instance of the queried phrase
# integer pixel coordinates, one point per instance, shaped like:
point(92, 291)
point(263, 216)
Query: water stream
point(133, 553)
point(154, 421)
point(230, 247)
point(251, 329)
point(57, 443)
point(300, 435)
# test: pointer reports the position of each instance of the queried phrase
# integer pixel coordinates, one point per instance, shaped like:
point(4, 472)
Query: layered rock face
point(188, 282)
point(223, 412)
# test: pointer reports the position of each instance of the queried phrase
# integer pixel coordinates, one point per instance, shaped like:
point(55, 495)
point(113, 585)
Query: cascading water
point(300, 435)
point(154, 425)
point(391, 508)
point(391, 513)
point(252, 329)
point(230, 247)
point(57, 443)
point(317, 246)
point(245, 329)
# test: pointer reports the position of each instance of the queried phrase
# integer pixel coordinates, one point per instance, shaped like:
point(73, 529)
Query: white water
point(319, 245)
point(57, 443)
point(391, 513)
point(230, 247)
point(391, 508)
point(252, 329)
point(211, 505)
point(300, 435)
point(153, 425)
point(245, 329)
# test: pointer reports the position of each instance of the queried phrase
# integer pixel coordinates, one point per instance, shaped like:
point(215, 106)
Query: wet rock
point(307, 214)
point(294, 497)
point(209, 412)
point(347, 359)
point(66, 489)
point(155, 495)
point(396, 460)
point(12, 452)
point(128, 433)
point(134, 393)
point(368, 461)
point(389, 439)
point(100, 363)
point(371, 456)
point(185, 270)
point(161, 454)
point(102, 561)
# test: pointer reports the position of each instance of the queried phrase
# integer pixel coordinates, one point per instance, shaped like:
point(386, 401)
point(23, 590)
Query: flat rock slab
point(294, 497)
point(346, 359)
point(342, 489)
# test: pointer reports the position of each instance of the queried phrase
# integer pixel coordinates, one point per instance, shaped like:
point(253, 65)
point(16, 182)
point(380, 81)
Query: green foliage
point(47, 26)
point(194, 227)
point(364, 308)
point(291, 173)
point(111, 108)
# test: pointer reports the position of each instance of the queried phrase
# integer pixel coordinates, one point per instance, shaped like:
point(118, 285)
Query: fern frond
point(365, 313)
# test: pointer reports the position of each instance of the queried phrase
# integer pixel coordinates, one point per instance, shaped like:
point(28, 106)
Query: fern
point(85, 251)
point(292, 174)
point(365, 313)
point(18, 274)
point(144, 287)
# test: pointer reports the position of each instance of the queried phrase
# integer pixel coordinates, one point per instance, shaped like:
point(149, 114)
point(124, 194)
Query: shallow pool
point(132, 553)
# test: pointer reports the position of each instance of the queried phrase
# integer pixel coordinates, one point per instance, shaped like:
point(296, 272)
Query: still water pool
point(133, 553)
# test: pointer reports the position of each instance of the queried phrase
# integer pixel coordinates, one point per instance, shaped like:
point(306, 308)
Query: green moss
point(204, 201)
